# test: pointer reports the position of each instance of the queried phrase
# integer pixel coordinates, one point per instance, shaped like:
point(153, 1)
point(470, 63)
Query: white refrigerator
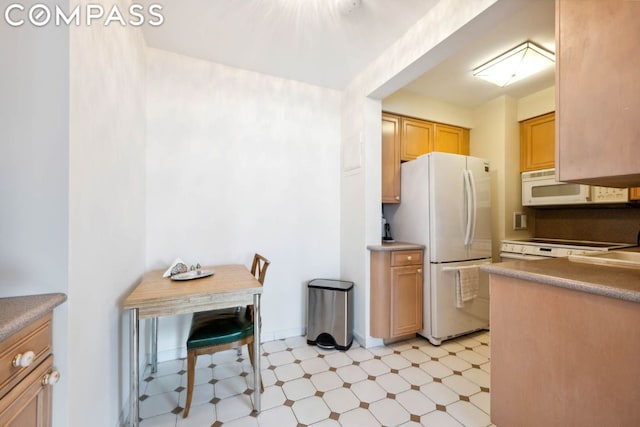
point(445, 205)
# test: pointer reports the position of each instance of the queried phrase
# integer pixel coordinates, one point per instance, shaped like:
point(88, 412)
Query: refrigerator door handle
point(469, 205)
point(472, 183)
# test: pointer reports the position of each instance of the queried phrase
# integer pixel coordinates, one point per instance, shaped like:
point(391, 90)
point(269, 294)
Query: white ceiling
point(306, 40)
point(452, 81)
point(313, 41)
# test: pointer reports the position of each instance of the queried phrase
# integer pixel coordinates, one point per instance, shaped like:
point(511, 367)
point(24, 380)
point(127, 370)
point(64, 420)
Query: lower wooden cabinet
point(29, 403)
point(581, 361)
point(26, 376)
point(396, 293)
point(634, 193)
point(406, 290)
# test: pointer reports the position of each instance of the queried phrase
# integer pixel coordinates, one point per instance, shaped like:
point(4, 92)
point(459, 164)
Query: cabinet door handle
point(397, 197)
point(419, 270)
point(23, 360)
point(51, 378)
point(409, 258)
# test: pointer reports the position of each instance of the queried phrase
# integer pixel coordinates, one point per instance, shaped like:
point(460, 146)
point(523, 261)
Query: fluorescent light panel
point(516, 64)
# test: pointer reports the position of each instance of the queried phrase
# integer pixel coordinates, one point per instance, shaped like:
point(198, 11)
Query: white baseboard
point(166, 355)
point(123, 420)
point(367, 341)
point(282, 334)
point(181, 352)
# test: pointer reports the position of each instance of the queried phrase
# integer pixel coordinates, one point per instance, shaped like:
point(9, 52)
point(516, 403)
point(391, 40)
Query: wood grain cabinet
point(581, 362)
point(537, 143)
point(416, 138)
point(451, 139)
point(390, 158)
point(634, 193)
point(25, 389)
point(597, 87)
point(396, 293)
point(420, 137)
point(406, 138)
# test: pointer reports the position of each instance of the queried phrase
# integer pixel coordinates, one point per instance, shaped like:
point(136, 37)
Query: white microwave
point(540, 188)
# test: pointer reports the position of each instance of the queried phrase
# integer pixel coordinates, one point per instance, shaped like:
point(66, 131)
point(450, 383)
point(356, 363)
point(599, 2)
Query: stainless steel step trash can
point(330, 313)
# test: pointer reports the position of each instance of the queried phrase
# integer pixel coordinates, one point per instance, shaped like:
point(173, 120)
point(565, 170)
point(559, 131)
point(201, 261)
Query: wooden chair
point(218, 330)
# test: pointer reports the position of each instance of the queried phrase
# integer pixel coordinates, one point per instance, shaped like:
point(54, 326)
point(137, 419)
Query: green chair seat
point(217, 327)
point(221, 330)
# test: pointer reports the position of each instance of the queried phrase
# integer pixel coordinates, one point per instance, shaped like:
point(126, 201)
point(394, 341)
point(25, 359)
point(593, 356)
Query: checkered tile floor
point(408, 383)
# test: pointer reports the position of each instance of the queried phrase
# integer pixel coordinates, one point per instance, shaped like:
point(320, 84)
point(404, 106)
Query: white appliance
point(540, 188)
point(541, 248)
point(446, 206)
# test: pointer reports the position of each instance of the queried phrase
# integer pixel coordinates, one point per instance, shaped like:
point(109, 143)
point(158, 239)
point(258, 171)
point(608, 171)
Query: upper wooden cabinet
point(406, 138)
point(451, 139)
point(390, 158)
point(597, 87)
point(416, 139)
point(537, 143)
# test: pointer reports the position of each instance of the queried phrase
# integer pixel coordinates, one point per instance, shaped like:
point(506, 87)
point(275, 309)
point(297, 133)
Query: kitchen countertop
point(615, 282)
point(395, 246)
point(18, 312)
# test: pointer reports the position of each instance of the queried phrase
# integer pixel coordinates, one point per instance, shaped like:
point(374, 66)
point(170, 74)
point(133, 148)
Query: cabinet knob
point(51, 378)
point(24, 359)
point(397, 197)
point(419, 270)
point(409, 257)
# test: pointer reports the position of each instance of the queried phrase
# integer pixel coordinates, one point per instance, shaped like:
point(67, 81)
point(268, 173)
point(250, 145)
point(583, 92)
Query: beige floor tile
point(298, 389)
point(358, 418)
point(341, 400)
point(389, 412)
point(311, 410)
point(409, 383)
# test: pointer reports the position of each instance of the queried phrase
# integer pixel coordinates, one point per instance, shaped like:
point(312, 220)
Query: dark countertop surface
point(395, 246)
point(615, 282)
point(18, 312)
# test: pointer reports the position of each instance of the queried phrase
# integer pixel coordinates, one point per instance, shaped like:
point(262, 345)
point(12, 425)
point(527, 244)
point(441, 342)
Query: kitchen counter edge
point(395, 246)
point(18, 312)
point(613, 282)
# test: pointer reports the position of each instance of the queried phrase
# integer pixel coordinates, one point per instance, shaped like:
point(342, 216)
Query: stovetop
point(558, 247)
point(569, 243)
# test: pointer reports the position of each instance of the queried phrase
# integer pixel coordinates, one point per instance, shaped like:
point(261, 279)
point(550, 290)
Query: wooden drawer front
point(35, 337)
point(29, 403)
point(400, 258)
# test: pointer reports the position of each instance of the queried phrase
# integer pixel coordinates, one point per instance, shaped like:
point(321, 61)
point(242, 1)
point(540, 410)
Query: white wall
point(416, 105)
point(106, 214)
point(495, 137)
point(237, 163)
point(444, 29)
point(538, 103)
point(34, 134)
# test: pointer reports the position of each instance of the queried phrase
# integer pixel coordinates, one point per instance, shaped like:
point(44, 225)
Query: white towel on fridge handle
point(467, 284)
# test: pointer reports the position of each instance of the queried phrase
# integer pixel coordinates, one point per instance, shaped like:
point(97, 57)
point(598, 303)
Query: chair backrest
point(259, 267)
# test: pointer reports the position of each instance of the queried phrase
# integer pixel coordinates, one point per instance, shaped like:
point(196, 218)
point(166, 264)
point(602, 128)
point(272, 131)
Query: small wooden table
point(230, 286)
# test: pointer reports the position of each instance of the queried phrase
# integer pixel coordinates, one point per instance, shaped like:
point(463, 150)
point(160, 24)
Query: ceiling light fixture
point(516, 64)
